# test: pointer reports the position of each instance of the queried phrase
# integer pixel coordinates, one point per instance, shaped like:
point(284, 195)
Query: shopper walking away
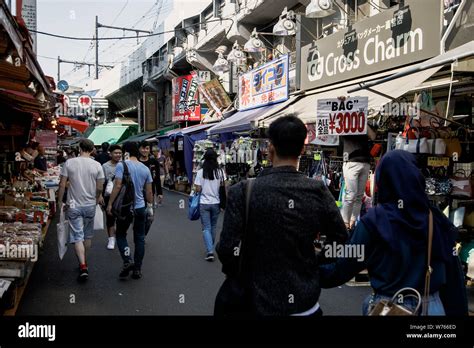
point(356, 170)
point(140, 212)
point(208, 181)
point(394, 237)
point(109, 173)
point(154, 166)
point(103, 156)
point(162, 161)
point(286, 213)
point(85, 180)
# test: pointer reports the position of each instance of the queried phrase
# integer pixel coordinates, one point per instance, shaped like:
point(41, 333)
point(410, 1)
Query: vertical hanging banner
point(185, 99)
point(150, 111)
point(342, 117)
point(266, 85)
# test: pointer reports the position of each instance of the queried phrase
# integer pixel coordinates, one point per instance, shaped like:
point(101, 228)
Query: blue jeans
point(139, 221)
point(435, 306)
point(209, 216)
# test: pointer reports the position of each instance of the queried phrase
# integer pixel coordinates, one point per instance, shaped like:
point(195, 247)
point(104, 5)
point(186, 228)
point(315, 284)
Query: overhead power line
point(125, 37)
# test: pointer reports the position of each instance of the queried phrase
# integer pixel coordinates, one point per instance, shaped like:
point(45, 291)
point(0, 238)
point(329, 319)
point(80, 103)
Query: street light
point(237, 55)
point(286, 25)
point(221, 64)
point(254, 45)
point(319, 9)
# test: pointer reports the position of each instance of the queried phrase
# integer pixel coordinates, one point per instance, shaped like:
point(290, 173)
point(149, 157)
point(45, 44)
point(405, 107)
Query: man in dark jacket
point(287, 212)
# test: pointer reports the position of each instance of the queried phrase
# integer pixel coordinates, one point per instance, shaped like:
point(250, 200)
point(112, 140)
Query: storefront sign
point(186, 105)
point(438, 161)
point(47, 138)
point(215, 96)
point(150, 111)
point(390, 39)
point(342, 117)
point(266, 85)
point(85, 101)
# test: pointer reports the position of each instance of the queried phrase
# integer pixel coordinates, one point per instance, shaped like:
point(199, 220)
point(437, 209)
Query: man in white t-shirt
point(86, 181)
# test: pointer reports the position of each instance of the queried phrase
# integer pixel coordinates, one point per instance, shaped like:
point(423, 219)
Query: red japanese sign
point(186, 105)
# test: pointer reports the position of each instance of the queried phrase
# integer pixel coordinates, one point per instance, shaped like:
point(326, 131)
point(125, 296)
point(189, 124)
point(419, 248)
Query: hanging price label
point(438, 161)
point(342, 117)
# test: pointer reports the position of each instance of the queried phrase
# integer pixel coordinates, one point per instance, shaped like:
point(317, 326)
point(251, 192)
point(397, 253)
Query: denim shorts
point(81, 223)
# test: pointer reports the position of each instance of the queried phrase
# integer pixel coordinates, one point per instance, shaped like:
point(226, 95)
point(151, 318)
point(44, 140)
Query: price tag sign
point(342, 117)
point(438, 161)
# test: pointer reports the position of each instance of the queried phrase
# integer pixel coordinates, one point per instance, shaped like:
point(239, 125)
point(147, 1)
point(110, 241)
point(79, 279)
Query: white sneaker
point(111, 244)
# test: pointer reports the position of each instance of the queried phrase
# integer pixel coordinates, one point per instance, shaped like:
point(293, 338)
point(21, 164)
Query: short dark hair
point(145, 144)
point(105, 146)
point(288, 134)
point(132, 148)
point(115, 147)
point(86, 145)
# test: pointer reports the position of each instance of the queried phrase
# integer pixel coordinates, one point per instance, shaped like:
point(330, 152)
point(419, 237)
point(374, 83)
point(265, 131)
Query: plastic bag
point(193, 207)
point(63, 234)
point(98, 218)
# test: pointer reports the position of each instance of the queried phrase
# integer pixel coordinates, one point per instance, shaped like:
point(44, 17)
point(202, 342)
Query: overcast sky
point(77, 18)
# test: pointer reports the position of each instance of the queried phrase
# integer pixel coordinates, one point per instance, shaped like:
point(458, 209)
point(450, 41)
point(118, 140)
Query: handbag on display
point(438, 183)
point(393, 307)
point(234, 298)
point(437, 145)
point(462, 184)
point(416, 146)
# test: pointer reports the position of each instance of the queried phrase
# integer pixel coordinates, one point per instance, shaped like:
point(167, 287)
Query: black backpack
point(123, 205)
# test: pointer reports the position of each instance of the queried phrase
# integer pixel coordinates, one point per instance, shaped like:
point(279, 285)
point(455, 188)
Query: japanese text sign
point(342, 117)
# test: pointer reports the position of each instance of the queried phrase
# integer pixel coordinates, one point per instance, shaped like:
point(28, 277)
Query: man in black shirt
point(287, 212)
point(154, 167)
point(103, 156)
point(40, 162)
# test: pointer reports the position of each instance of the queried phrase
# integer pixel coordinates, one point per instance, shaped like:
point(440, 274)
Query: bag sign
point(438, 161)
point(342, 117)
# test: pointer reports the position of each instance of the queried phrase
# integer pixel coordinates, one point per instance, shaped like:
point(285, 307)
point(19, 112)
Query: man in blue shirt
point(143, 211)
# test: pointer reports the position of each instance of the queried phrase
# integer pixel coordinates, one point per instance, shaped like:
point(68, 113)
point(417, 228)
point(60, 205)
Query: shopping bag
point(98, 218)
point(63, 234)
point(193, 206)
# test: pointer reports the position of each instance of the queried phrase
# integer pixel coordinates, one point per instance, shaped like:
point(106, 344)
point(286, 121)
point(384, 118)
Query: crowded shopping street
point(236, 167)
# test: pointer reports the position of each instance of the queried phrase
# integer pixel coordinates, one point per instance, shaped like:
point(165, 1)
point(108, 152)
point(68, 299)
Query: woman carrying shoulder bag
point(208, 181)
point(394, 241)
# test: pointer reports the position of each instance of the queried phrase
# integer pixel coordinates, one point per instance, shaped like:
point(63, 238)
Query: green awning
point(110, 134)
point(139, 137)
point(162, 131)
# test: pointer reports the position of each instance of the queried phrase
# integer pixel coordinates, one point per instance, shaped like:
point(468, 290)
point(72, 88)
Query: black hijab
point(403, 208)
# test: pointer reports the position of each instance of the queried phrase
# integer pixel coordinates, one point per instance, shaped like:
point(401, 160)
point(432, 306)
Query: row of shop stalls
point(27, 105)
point(442, 87)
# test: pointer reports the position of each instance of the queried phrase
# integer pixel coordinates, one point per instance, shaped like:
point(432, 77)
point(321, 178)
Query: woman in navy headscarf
point(394, 236)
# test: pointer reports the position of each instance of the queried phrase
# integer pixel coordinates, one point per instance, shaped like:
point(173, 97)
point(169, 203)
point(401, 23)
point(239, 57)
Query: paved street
point(176, 279)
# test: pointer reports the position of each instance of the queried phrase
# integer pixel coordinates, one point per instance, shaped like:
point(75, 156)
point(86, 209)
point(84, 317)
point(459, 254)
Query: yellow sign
point(438, 161)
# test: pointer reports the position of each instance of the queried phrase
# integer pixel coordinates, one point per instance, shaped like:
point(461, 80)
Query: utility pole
point(96, 47)
point(78, 63)
point(97, 26)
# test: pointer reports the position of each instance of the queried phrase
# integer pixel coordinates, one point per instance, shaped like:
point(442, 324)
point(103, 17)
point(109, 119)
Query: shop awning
point(243, 120)
point(109, 134)
point(305, 107)
point(76, 124)
point(140, 137)
point(458, 53)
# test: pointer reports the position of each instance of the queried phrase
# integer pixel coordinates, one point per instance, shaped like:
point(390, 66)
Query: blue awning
point(242, 120)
